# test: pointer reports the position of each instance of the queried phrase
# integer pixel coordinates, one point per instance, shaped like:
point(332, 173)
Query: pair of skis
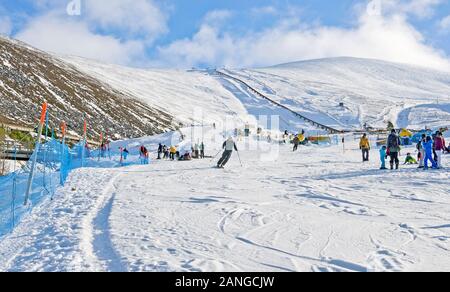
point(221, 167)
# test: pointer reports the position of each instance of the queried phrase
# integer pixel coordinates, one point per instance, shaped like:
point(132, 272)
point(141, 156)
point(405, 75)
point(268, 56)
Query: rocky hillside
point(28, 77)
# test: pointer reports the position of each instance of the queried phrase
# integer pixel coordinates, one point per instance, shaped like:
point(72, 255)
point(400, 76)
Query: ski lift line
point(314, 123)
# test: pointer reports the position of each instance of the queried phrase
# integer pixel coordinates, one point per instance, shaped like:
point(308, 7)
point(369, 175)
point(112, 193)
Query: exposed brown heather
point(29, 76)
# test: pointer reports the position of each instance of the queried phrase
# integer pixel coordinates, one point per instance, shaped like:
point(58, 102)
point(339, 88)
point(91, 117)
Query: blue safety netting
point(54, 160)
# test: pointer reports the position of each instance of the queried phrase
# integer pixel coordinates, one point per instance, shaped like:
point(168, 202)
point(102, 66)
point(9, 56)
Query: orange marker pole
point(36, 151)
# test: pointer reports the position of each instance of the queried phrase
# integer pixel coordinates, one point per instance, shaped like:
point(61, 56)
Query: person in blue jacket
point(428, 147)
point(125, 153)
point(383, 156)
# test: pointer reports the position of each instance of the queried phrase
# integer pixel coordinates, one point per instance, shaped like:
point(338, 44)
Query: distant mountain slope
point(178, 92)
point(28, 76)
point(372, 91)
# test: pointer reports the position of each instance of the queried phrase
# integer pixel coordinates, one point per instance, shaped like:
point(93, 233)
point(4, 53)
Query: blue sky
point(183, 33)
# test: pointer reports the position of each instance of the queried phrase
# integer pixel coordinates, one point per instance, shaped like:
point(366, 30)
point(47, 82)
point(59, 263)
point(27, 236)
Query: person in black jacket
point(393, 146)
point(160, 151)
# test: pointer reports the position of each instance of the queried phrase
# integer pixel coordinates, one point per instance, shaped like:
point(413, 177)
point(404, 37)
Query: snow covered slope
point(179, 92)
point(372, 91)
point(315, 210)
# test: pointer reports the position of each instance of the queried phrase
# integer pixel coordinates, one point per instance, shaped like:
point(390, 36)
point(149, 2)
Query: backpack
point(393, 141)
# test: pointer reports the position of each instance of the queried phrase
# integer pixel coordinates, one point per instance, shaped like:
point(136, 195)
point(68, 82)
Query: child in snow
point(428, 146)
point(421, 154)
point(383, 156)
point(409, 159)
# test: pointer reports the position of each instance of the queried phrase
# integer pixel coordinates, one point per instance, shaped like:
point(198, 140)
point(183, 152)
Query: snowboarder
point(383, 155)
point(409, 159)
point(439, 148)
point(228, 145)
point(364, 145)
point(428, 146)
point(393, 148)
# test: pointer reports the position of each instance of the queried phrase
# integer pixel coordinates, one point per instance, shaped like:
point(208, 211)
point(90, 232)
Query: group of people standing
point(165, 152)
point(173, 153)
point(430, 150)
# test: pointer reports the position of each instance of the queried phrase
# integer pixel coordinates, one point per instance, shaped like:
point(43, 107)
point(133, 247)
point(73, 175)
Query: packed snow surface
point(319, 209)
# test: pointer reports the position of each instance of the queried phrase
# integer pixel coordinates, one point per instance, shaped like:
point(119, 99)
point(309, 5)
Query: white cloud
point(131, 18)
point(66, 36)
point(114, 31)
point(389, 38)
point(444, 24)
point(217, 17)
point(265, 10)
point(418, 8)
point(5, 25)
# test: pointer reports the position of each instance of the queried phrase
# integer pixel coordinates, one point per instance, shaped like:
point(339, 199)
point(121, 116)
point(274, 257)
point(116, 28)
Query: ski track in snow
point(298, 213)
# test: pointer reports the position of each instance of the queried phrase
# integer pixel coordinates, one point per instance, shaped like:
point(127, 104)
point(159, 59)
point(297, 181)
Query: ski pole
point(239, 158)
point(216, 155)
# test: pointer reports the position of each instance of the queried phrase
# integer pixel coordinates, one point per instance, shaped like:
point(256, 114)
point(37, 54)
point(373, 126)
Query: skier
point(393, 147)
point(439, 148)
point(160, 151)
point(428, 146)
point(421, 154)
point(409, 159)
point(364, 145)
point(383, 157)
point(228, 145)
point(296, 142)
